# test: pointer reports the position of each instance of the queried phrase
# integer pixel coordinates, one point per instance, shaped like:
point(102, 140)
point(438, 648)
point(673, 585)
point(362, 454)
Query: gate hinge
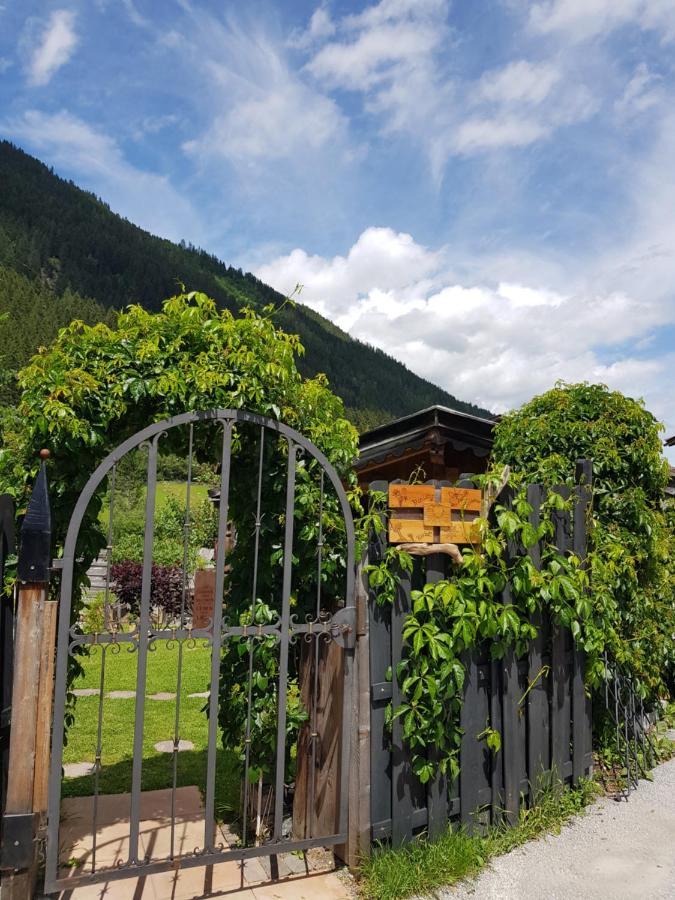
point(19, 833)
point(343, 627)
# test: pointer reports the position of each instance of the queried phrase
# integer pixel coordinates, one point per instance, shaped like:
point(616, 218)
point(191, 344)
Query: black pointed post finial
point(34, 560)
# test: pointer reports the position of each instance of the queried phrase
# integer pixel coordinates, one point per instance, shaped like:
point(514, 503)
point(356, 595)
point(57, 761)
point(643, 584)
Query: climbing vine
point(620, 600)
point(457, 614)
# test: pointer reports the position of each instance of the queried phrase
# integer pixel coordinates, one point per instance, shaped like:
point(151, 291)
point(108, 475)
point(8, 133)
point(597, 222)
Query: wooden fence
point(6, 640)
point(545, 730)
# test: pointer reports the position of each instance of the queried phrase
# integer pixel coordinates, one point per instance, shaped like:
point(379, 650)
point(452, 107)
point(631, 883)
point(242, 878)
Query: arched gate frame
point(339, 627)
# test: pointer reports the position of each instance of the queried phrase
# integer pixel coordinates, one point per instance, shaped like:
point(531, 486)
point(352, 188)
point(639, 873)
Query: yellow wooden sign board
point(425, 514)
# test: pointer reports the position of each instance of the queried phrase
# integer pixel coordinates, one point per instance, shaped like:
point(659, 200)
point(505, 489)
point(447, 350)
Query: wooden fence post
point(31, 697)
point(358, 842)
point(581, 704)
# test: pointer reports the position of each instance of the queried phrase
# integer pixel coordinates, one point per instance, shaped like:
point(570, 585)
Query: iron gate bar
point(283, 650)
point(254, 591)
point(216, 640)
point(142, 633)
point(315, 686)
point(340, 627)
point(179, 675)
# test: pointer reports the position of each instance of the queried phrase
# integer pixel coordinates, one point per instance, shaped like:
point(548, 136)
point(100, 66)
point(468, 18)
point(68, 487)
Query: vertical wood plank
point(437, 787)
point(470, 750)
point(47, 654)
point(580, 704)
point(24, 700)
point(379, 627)
point(537, 698)
point(497, 767)
point(560, 687)
point(401, 769)
point(511, 744)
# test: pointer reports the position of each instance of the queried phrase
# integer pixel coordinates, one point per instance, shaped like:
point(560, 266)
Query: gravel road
point(618, 850)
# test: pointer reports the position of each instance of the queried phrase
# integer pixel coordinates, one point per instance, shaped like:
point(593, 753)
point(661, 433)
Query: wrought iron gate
point(331, 619)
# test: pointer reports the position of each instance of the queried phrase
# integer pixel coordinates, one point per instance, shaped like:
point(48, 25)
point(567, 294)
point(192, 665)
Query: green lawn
point(118, 727)
point(176, 489)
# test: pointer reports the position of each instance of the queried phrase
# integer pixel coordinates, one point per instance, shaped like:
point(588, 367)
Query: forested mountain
point(65, 254)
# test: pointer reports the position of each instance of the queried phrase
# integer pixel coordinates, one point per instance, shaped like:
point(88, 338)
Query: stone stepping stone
point(78, 770)
point(87, 692)
point(167, 746)
point(204, 695)
point(162, 695)
point(121, 695)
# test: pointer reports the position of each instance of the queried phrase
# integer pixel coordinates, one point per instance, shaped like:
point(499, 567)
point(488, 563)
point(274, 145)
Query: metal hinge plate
point(19, 832)
point(343, 627)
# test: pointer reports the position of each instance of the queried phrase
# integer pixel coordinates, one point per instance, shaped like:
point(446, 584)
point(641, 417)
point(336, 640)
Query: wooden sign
point(204, 600)
point(426, 514)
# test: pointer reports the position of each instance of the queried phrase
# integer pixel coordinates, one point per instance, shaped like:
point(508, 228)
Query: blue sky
point(484, 189)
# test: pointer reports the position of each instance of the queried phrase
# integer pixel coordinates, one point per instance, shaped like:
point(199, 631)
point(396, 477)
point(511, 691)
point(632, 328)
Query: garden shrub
point(166, 588)
point(97, 385)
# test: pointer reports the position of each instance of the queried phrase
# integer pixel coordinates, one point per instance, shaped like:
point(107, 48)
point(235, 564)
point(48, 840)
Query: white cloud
point(519, 82)
point(320, 26)
point(261, 109)
point(495, 344)
point(147, 199)
point(49, 45)
point(642, 92)
point(583, 19)
point(397, 54)
point(5, 64)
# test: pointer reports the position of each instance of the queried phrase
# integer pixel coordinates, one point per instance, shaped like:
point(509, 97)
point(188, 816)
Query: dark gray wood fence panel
point(537, 704)
point(401, 771)
point(473, 755)
point(581, 704)
point(510, 696)
point(560, 696)
point(380, 698)
point(538, 752)
point(437, 788)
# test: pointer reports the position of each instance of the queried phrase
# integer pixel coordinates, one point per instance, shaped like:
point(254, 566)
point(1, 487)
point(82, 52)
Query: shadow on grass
point(158, 774)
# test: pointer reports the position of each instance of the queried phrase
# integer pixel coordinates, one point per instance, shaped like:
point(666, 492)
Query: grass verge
point(424, 866)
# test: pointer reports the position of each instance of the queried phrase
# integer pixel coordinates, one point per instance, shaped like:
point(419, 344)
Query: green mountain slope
point(68, 245)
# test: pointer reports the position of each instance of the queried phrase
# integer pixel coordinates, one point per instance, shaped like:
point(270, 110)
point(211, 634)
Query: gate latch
point(343, 627)
point(19, 831)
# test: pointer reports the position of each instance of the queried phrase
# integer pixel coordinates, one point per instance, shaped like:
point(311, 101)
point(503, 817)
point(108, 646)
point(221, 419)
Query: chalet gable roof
point(462, 430)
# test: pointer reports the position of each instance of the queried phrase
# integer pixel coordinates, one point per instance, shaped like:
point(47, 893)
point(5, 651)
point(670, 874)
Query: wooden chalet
point(434, 443)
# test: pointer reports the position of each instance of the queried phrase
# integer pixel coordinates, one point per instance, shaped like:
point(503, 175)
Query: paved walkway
point(302, 877)
point(616, 851)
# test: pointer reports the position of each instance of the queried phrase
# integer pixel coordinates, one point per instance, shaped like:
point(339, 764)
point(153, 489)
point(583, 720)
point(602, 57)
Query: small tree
point(97, 385)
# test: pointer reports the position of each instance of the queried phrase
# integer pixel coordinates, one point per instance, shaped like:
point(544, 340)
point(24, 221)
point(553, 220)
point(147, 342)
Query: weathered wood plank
point(401, 769)
point(580, 703)
point(472, 722)
point(511, 744)
point(560, 686)
point(437, 787)
point(23, 735)
point(537, 698)
point(44, 711)
point(379, 625)
point(497, 762)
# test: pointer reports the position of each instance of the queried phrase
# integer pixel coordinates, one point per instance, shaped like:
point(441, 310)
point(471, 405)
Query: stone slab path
point(298, 881)
point(616, 851)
